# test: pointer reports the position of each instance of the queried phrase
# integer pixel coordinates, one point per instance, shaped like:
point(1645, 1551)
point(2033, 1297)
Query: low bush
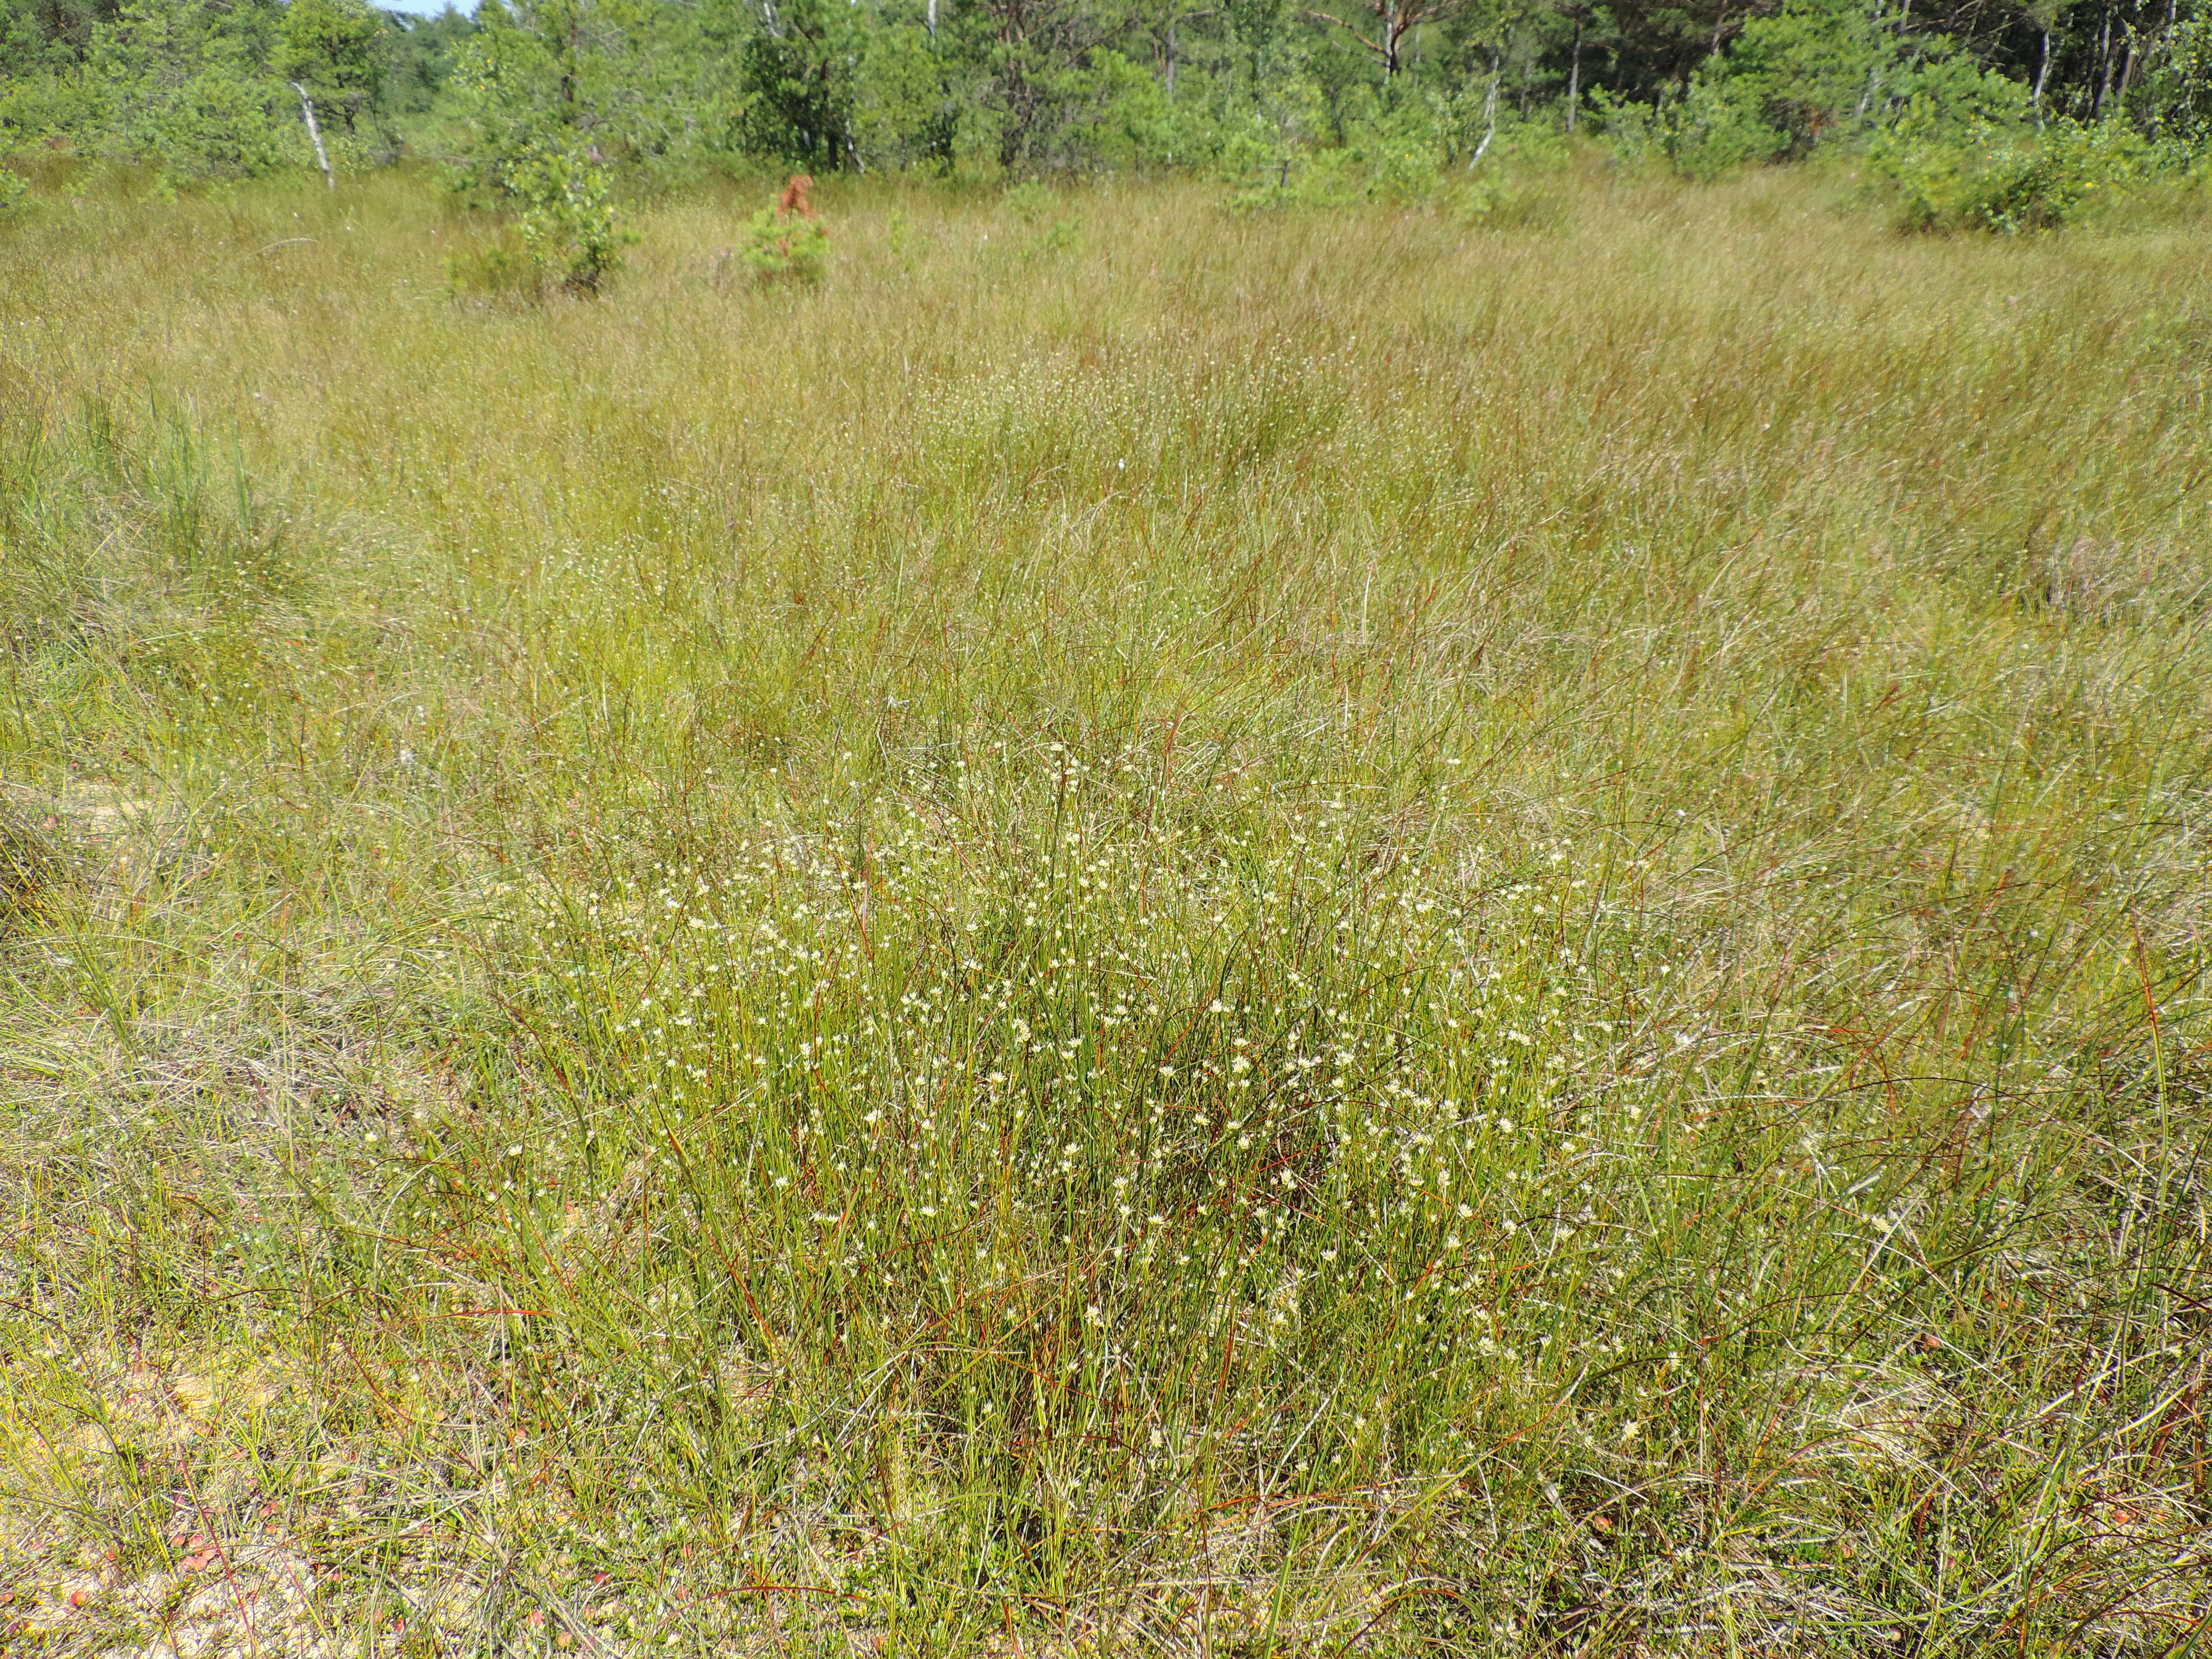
point(786, 243)
point(2008, 181)
point(568, 219)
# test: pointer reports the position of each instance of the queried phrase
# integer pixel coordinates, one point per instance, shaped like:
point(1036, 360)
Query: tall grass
point(1233, 935)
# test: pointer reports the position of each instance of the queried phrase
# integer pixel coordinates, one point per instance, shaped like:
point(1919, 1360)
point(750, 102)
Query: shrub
point(14, 192)
point(568, 218)
point(1710, 130)
point(221, 125)
point(1373, 167)
point(2008, 182)
point(786, 242)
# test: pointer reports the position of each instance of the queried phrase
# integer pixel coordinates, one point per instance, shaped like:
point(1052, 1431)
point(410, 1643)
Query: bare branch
point(1350, 29)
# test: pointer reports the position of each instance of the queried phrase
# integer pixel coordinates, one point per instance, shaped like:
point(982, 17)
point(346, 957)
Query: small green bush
point(14, 192)
point(1709, 131)
point(567, 220)
point(2007, 181)
point(786, 243)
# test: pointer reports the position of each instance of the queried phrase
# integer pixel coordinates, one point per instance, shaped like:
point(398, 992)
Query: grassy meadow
point(1140, 932)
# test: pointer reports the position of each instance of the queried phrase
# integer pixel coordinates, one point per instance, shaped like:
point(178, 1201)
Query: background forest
point(1998, 112)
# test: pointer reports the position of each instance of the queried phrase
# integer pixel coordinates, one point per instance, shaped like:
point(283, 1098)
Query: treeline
point(1256, 88)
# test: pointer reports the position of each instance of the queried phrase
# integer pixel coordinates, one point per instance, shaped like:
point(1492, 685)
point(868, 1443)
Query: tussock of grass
point(1300, 938)
point(30, 872)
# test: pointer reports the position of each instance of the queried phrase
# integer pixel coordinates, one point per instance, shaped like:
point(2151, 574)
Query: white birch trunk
point(315, 135)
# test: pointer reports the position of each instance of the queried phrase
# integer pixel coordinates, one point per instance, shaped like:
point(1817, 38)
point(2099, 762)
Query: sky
point(422, 8)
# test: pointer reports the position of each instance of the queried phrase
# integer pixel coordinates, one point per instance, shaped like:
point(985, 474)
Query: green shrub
point(1374, 168)
point(1709, 131)
point(2008, 182)
point(1718, 126)
point(222, 124)
point(14, 192)
point(567, 217)
point(786, 243)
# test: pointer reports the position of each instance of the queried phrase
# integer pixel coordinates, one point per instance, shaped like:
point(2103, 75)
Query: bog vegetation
point(1137, 927)
point(1363, 842)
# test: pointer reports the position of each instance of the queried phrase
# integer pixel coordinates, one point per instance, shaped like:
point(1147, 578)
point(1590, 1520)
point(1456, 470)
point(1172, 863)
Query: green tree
point(184, 82)
point(416, 60)
point(1384, 31)
point(328, 49)
point(2178, 91)
point(800, 67)
point(45, 36)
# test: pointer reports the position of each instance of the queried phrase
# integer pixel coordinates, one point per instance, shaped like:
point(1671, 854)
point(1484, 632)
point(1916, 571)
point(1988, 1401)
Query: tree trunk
point(315, 135)
point(1575, 75)
point(2042, 74)
point(2105, 56)
point(1489, 111)
point(1171, 55)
